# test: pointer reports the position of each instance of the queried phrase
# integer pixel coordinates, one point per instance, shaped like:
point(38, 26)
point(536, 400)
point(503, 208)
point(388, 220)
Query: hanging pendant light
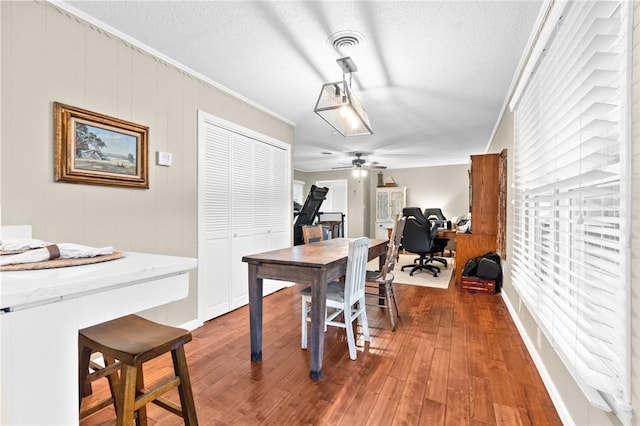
point(340, 107)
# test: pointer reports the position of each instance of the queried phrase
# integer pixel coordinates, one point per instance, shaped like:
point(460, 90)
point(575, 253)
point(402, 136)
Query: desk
point(335, 222)
point(41, 312)
point(316, 264)
point(449, 234)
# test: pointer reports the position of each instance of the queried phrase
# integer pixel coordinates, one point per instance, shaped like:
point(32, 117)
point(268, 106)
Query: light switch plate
point(164, 158)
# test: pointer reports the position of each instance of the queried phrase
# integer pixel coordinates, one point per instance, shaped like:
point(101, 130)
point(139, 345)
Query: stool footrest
point(100, 372)
point(150, 395)
point(96, 407)
point(168, 405)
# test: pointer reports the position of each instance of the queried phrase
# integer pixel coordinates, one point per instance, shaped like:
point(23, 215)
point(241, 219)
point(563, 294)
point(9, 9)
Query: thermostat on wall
point(164, 158)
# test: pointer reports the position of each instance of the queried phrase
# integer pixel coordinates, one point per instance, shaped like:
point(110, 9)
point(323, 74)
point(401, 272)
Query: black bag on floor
point(486, 267)
point(492, 256)
point(470, 268)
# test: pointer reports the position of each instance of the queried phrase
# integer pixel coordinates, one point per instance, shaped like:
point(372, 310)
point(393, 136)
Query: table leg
point(255, 313)
point(381, 259)
point(318, 307)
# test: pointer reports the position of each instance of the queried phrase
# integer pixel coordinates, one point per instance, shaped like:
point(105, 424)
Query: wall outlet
point(164, 158)
point(538, 337)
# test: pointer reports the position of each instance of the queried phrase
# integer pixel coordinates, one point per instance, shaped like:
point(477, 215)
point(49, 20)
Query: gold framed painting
point(93, 148)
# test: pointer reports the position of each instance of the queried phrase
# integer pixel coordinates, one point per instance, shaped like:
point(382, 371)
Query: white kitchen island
point(41, 312)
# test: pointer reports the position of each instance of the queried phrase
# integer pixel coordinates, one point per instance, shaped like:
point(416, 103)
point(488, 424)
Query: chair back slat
point(394, 246)
point(399, 229)
point(392, 258)
point(356, 269)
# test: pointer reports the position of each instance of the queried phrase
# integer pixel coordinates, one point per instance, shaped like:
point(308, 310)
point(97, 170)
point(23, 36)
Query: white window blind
point(572, 199)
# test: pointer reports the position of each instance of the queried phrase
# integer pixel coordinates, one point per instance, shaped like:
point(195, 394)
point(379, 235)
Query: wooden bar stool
point(126, 343)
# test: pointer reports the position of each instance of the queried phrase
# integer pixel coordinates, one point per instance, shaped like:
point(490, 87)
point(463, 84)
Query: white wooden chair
point(345, 298)
point(379, 285)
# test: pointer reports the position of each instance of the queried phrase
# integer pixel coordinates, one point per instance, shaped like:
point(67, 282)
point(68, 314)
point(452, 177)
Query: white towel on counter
point(22, 244)
point(54, 251)
point(75, 251)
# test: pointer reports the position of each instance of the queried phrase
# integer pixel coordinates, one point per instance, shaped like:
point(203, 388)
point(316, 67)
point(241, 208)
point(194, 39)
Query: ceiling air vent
point(344, 41)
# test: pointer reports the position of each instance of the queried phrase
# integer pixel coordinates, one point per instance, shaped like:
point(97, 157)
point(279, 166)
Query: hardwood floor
point(455, 359)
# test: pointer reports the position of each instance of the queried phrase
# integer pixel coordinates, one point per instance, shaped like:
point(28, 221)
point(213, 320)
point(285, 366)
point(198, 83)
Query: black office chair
point(416, 213)
point(436, 213)
point(418, 238)
point(439, 244)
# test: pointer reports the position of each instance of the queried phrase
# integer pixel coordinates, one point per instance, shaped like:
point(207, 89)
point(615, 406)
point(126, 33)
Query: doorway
point(336, 199)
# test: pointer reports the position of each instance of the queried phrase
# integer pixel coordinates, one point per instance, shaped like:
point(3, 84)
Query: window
point(572, 202)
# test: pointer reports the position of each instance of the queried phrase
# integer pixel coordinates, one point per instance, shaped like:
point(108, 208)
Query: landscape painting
point(104, 150)
point(96, 149)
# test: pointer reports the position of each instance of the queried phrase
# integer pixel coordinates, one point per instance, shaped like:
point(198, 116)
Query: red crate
point(475, 284)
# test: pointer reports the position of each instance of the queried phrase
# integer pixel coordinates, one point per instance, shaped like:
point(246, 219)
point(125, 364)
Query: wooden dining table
point(316, 264)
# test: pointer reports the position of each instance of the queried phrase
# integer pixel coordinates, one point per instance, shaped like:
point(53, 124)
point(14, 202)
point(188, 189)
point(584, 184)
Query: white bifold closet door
point(244, 200)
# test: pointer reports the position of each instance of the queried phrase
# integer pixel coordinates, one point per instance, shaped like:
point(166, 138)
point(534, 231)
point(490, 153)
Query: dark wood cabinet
point(484, 198)
point(484, 187)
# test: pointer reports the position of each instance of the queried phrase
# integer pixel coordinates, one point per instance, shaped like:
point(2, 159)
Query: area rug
point(421, 278)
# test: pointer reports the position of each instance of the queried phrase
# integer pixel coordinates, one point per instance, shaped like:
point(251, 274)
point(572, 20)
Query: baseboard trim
point(191, 325)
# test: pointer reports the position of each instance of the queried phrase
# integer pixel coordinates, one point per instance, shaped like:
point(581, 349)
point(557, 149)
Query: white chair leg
point(326, 315)
point(303, 343)
point(351, 340)
point(365, 321)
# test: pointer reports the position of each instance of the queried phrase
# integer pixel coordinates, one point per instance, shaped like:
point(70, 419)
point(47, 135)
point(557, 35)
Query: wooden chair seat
point(127, 343)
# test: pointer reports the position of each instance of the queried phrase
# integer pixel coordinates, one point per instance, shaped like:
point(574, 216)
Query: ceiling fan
point(360, 165)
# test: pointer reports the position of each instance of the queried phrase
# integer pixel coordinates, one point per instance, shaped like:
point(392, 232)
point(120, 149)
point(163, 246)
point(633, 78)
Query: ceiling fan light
point(359, 172)
point(330, 107)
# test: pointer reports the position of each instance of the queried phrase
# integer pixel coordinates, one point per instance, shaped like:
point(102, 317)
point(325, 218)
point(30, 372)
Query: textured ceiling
point(433, 76)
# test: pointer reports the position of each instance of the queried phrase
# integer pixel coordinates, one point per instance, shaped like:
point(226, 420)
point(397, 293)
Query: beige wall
point(47, 56)
point(302, 176)
point(446, 187)
point(577, 407)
